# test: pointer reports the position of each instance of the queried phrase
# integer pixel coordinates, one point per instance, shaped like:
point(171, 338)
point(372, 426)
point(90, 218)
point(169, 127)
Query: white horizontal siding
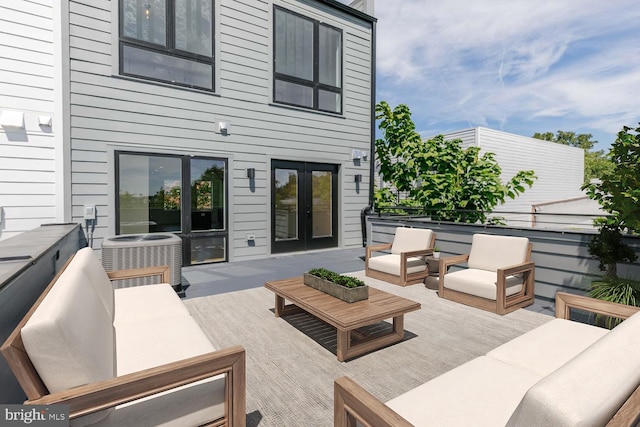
point(559, 168)
point(110, 114)
point(27, 156)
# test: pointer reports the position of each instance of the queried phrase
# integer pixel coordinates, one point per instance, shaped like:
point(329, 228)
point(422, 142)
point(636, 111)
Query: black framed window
point(169, 41)
point(307, 62)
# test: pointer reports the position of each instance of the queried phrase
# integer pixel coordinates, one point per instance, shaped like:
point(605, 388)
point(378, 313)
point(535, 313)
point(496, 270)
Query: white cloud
point(497, 63)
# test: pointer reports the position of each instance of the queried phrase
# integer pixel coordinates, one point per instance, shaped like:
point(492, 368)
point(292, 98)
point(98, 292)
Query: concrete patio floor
point(213, 279)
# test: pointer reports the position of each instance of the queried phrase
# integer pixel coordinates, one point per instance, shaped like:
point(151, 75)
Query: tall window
point(168, 40)
point(307, 62)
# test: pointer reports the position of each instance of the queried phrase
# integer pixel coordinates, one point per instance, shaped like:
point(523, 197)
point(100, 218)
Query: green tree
point(449, 182)
point(596, 163)
point(619, 195)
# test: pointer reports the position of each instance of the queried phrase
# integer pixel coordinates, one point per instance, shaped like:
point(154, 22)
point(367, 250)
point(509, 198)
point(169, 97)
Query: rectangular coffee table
point(345, 317)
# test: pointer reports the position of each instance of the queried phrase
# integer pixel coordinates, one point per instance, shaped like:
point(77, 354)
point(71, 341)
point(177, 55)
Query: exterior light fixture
point(251, 173)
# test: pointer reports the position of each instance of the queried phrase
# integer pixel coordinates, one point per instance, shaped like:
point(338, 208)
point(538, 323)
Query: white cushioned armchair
point(405, 265)
point(499, 278)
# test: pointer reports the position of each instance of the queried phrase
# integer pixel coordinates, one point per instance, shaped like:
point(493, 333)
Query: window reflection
point(149, 194)
point(286, 206)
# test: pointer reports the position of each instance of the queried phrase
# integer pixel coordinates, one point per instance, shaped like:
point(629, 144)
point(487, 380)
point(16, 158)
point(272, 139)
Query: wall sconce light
point(44, 121)
point(251, 173)
point(223, 128)
point(12, 119)
point(358, 177)
point(356, 154)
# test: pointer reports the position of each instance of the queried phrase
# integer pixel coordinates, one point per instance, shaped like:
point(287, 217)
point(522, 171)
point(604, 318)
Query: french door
point(304, 200)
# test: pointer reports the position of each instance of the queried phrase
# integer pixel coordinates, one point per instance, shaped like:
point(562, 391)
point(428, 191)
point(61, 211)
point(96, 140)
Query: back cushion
point(490, 252)
point(591, 387)
point(70, 337)
point(87, 260)
point(411, 239)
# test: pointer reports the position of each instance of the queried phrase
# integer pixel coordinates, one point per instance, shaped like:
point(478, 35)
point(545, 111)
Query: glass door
point(207, 237)
point(304, 206)
point(151, 200)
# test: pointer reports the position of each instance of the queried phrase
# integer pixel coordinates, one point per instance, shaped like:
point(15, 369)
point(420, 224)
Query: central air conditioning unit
point(143, 250)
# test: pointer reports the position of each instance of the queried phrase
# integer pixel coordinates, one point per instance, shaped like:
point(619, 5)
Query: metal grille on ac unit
point(143, 250)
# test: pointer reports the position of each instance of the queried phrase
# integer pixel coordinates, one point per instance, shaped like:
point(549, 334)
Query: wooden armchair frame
point(503, 304)
point(94, 397)
point(404, 279)
point(354, 404)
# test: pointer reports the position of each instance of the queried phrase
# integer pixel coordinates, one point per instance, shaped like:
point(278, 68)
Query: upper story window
point(168, 40)
point(307, 62)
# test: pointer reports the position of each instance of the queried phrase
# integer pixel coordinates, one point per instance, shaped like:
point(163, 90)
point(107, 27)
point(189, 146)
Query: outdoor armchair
point(405, 265)
point(499, 278)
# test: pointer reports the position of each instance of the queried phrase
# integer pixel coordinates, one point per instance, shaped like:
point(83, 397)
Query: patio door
point(185, 195)
point(304, 212)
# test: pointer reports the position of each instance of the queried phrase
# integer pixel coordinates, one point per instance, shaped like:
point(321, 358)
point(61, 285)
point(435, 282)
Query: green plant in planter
point(615, 289)
point(346, 281)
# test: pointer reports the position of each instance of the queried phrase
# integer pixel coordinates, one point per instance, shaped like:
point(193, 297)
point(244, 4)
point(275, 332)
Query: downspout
point(372, 150)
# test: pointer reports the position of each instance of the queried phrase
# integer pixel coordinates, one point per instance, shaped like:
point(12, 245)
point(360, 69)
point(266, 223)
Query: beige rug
point(291, 361)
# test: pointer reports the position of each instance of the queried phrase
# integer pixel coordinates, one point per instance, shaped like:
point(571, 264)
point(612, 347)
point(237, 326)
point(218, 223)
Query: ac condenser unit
point(143, 250)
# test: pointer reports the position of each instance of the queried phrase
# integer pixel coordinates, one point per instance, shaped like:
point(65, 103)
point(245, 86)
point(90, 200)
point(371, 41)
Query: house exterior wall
point(110, 113)
point(29, 180)
point(559, 168)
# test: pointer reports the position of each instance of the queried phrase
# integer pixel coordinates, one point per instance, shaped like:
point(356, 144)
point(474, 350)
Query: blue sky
point(520, 66)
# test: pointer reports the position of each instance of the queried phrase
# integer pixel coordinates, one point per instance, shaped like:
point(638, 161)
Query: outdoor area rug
point(291, 361)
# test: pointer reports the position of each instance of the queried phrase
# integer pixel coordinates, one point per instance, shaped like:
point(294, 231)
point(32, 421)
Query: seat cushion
point(549, 346)
point(482, 392)
point(391, 264)
point(481, 283)
point(151, 343)
point(70, 336)
point(411, 239)
point(147, 302)
point(489, 252)
point(591, 387)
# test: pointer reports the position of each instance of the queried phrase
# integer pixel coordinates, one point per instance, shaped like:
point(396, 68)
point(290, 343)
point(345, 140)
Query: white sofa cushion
point(549, 346)
point(482, 392)
point(87, 260)
point(481, 283)
point(148, 302)
point(70, 336)
point(147, 344)
point(391, 264)
point(411, 239)
point(591, 387)
point(490, 252)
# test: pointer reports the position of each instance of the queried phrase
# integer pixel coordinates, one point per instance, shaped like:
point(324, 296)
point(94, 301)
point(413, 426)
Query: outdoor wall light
point(223, 128)
point(356, 154)
point(358, 177)
point(251, 173)
point(12, 119)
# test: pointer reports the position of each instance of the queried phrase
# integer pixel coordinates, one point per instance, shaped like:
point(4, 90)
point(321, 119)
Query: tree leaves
point(447, 181)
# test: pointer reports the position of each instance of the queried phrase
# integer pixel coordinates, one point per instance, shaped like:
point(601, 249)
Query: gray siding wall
point(562, 258)
point(27, 156)
point(111, 113)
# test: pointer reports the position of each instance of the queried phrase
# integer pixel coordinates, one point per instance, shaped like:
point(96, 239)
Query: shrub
point(346, 281)
point(615, 289)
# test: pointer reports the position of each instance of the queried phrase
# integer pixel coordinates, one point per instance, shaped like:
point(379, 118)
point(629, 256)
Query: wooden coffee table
point(345, 317)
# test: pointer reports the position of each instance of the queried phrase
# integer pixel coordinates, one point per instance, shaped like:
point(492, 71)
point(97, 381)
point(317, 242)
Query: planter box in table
point(338, 291)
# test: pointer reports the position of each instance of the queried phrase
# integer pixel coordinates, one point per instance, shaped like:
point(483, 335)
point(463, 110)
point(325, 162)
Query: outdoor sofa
point(563, 373)
point(131, 356)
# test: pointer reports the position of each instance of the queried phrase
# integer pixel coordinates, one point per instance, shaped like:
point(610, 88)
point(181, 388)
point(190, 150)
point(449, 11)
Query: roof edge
point(349, 10)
